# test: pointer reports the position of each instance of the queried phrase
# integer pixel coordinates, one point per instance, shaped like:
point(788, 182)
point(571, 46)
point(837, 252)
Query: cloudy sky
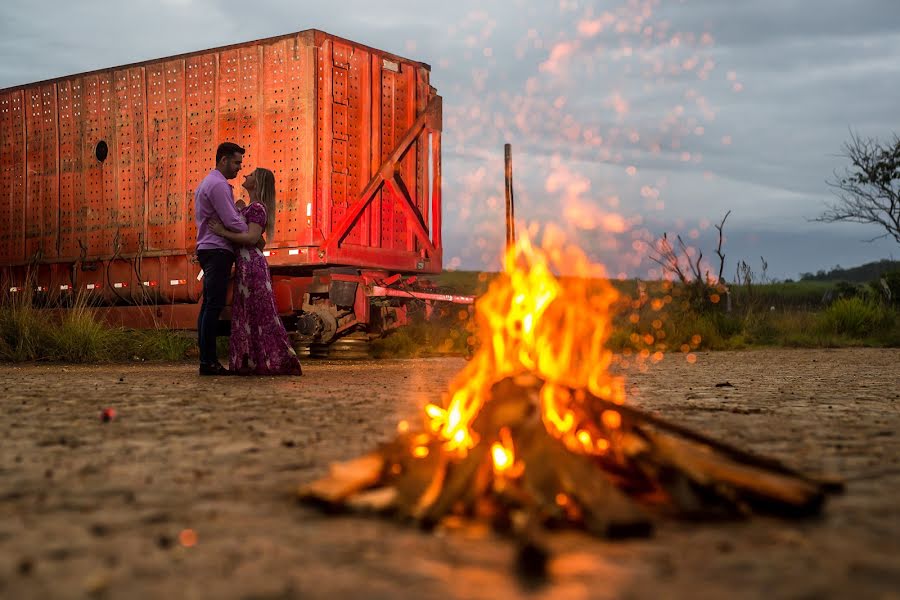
point(627, 118)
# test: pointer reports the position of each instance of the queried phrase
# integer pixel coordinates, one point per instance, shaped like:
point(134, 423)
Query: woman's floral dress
point(259, 344)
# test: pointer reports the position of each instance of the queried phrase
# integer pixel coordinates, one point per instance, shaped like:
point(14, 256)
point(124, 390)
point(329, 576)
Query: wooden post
point(510, 206)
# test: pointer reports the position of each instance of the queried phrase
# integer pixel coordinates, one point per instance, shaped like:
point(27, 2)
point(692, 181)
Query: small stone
point(25, 566)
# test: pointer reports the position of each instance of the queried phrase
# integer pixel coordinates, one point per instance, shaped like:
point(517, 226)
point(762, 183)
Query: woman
point(259, 344)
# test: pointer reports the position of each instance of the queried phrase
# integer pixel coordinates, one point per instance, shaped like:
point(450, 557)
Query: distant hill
point(861, 274)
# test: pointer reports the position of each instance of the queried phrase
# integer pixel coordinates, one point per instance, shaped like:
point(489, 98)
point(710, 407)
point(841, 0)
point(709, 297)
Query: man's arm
point(251, 237)
point(223, 203)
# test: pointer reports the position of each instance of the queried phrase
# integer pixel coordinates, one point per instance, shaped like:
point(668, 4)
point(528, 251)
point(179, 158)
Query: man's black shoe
point(214, 370)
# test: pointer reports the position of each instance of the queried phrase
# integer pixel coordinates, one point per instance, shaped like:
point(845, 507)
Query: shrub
point(888, 287)
point(855, 317)
point(24, 334)
point(726, 325)
point(80, 337)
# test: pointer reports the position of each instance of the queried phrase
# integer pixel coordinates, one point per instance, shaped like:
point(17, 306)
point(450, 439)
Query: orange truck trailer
point(98, 172)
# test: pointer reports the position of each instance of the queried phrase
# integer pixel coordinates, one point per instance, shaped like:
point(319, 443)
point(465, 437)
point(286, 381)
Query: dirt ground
point(189, 491)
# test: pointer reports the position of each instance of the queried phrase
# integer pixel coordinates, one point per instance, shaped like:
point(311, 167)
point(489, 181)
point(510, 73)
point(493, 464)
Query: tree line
point(861, 274)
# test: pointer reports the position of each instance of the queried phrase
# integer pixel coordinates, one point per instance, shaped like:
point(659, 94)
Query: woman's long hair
point(265, 188)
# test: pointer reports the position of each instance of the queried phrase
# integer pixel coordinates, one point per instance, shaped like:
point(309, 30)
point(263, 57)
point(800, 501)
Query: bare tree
point(719, 247)
point(677, 261)
point(868, 190)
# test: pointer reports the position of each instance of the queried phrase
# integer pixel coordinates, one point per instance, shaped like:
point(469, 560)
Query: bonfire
point(536, 432)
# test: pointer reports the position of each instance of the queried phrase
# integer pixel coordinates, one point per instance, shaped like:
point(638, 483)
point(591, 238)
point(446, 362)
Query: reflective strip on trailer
point(177, 281)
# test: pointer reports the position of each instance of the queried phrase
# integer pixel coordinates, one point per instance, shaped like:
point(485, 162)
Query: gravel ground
point(189, 491)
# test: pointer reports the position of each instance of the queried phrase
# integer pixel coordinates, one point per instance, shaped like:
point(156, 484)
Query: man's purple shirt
point(214, 198)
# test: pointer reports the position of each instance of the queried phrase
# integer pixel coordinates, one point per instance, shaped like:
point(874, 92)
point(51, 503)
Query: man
point(214, 199)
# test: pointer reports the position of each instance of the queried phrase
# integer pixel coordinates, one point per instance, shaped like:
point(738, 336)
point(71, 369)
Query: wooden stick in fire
point(829, 483)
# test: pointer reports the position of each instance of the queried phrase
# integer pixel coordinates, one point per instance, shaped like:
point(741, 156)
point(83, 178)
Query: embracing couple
point(230, 234)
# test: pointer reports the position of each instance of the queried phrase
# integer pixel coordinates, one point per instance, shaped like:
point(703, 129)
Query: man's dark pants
point(216, 265)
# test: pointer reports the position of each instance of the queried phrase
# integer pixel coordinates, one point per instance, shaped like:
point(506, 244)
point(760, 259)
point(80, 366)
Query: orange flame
point(535, 320)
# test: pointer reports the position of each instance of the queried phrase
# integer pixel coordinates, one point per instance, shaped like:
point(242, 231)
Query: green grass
point(858, 318)
point(24, 335)
point(470, 283)
point(847, 322)
point(80, 338)
point(784, 314)
point(77, 335)
point(445, 337)
point(160, 344)
point(805, 295)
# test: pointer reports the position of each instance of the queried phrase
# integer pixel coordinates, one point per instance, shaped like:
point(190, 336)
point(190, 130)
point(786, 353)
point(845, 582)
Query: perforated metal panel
point(102, 243)
point(367, 104)
point(125, 207)
point(324, 104)
point(285, 144)
point(421, 150)
point(41, 160)
point(201, 129)
point(71, 108)
point(166, 197)
point(359, 123)
point(396, 117)
point(99, 181)
point(12, 176)
point(239, 103)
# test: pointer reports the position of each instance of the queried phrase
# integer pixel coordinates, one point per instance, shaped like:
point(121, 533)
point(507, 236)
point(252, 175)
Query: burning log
point(535, 432)
point(655, 466)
